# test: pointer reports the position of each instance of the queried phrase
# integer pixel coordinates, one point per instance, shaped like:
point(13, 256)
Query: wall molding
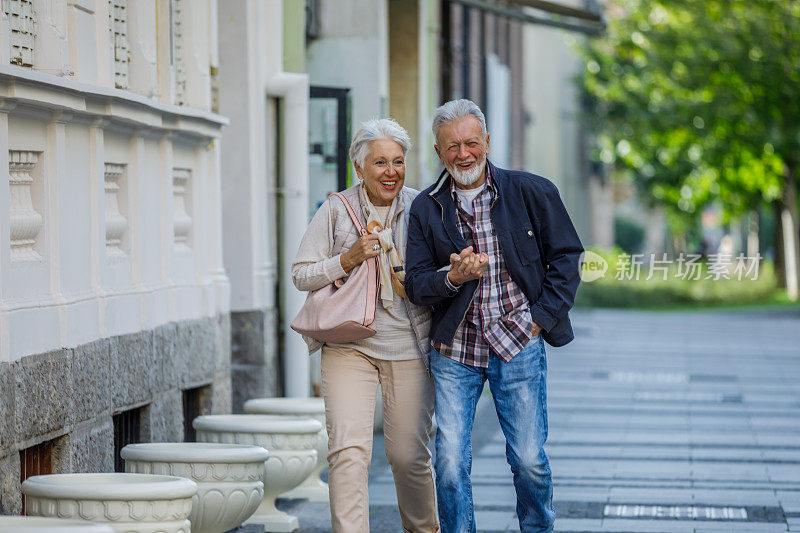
point(32, 90)
point(116, 223)
point(25, 222)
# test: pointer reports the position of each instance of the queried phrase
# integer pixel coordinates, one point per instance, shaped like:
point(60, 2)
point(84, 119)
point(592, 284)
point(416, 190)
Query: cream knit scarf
point(391, 268)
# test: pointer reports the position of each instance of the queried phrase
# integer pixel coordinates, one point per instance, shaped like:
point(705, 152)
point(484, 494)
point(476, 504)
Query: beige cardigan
point(317, 261)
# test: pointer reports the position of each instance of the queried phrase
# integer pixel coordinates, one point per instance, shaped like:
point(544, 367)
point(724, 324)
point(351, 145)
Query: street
point(659, 421)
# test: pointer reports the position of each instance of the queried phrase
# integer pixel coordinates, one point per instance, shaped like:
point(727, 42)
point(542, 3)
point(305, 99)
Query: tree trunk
point(753, 244)
point(790, 232)
point(777, 242)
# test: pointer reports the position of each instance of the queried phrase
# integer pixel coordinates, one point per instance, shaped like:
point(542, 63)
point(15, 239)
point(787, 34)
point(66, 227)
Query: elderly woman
point(396, 357)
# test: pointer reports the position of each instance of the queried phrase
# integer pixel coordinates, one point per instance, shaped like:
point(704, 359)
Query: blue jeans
point(520, 398)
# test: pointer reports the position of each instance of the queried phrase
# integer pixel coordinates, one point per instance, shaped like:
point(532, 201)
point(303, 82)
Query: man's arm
point(562, 250)
point(425, 283)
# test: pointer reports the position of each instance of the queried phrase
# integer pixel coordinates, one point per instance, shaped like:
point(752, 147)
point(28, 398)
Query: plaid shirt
point(499, 318)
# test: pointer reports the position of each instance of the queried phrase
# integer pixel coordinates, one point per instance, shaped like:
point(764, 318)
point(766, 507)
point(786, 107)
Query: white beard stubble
point(467, 177)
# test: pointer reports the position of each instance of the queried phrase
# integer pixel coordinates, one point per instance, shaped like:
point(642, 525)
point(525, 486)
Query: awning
point(559, 16)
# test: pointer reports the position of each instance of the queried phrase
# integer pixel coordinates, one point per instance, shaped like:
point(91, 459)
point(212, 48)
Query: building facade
point(114, 302)
point(265, 193)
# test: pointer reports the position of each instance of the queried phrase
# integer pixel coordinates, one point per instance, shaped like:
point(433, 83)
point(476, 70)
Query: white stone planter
point(312, 487)
point(292, 455)
point(129, 503)
point(228, 476)
point(37, 524)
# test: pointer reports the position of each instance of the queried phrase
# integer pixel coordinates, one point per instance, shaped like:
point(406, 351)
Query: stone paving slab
point(674, 415)
point(496, 520)
point(684, 526)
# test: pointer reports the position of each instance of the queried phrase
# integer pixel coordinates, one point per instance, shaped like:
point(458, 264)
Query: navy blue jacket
point(537, 239)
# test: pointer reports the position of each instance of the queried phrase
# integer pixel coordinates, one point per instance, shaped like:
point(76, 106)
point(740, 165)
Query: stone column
point(55, 165)
point(214, 258)
point(98, 236)
point(166, 216)
point(5, 238)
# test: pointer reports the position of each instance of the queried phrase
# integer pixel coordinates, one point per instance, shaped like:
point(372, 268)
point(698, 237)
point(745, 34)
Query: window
point(118, 27)
point(127, 430)
point(22, 23)
point(36, 461)
point(194, 401)
point(176, 50)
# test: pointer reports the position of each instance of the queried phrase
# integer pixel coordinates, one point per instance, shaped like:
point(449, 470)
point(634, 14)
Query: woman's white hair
point(454, 109)
point(372, 130)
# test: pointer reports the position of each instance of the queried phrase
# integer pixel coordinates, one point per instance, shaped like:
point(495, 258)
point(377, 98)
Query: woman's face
point(384, 171)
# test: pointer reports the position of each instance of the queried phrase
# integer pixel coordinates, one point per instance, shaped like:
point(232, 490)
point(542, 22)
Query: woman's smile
point(383, 171)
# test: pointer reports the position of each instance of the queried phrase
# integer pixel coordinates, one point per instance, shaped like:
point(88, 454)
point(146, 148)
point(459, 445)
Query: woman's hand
point(363, 249)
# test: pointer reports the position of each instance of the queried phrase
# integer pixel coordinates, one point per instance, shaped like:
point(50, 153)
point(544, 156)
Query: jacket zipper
point(441, 208)
point(500, 246)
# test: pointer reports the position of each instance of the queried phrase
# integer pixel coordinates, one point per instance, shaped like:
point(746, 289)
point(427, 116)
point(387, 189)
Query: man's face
point(462, 149)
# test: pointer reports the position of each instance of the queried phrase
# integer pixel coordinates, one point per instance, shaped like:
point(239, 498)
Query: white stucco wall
point(258, 97)
point(70, 286)
point(248, 45)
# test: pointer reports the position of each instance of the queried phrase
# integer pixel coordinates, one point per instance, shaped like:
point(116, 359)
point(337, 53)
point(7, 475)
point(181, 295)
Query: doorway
point(329, 140)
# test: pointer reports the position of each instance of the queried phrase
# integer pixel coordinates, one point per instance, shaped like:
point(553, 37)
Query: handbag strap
point(351, 211)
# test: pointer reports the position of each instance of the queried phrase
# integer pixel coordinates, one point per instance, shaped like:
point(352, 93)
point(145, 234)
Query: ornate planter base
point(292, 455)
point(129, 503)
point(36, 524)
point(273, 518)
point(228, 476)
point(285, 468)
point(312, 488)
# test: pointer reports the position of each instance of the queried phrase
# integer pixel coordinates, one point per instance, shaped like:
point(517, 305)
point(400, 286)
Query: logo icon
point(593, 266)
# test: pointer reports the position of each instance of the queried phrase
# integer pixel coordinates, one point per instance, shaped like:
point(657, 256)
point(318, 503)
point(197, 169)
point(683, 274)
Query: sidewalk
point(666, 422)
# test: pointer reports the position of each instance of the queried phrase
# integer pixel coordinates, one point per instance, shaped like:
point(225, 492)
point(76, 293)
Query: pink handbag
point(344, 310)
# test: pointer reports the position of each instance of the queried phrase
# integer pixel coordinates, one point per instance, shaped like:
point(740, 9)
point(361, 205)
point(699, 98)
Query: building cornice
point(25, 90)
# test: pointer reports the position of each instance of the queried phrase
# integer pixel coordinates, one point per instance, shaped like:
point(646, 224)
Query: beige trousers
point(350, 384)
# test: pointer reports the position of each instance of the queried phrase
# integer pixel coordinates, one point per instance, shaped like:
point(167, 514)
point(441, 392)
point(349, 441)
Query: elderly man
point(495, 254)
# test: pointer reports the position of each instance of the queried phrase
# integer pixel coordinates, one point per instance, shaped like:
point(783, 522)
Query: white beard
point(468, 177)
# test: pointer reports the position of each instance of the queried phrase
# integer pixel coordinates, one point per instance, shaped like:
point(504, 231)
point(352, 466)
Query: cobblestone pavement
point(658, 421)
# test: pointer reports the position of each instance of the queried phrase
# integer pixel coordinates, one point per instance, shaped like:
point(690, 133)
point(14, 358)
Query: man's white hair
point(372, 130)
point(454, 109)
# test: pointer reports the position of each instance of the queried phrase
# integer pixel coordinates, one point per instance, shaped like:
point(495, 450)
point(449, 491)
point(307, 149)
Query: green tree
point(700, 101)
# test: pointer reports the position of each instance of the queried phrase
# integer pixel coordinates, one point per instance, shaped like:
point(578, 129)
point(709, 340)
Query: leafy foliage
point(699, 99)
point(628, 234)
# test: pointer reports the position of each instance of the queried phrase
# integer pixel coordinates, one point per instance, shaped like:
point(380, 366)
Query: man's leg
point(520, 397)
point(457, 389)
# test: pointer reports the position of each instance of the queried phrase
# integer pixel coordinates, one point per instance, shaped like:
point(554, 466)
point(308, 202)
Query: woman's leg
point(408, 406)
point(349, 386)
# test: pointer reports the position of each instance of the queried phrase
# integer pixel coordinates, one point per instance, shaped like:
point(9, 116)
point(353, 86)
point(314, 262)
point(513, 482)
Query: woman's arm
point(313, 266)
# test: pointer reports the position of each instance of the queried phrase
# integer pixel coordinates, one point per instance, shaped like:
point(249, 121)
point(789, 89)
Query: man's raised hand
point(467, 266)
